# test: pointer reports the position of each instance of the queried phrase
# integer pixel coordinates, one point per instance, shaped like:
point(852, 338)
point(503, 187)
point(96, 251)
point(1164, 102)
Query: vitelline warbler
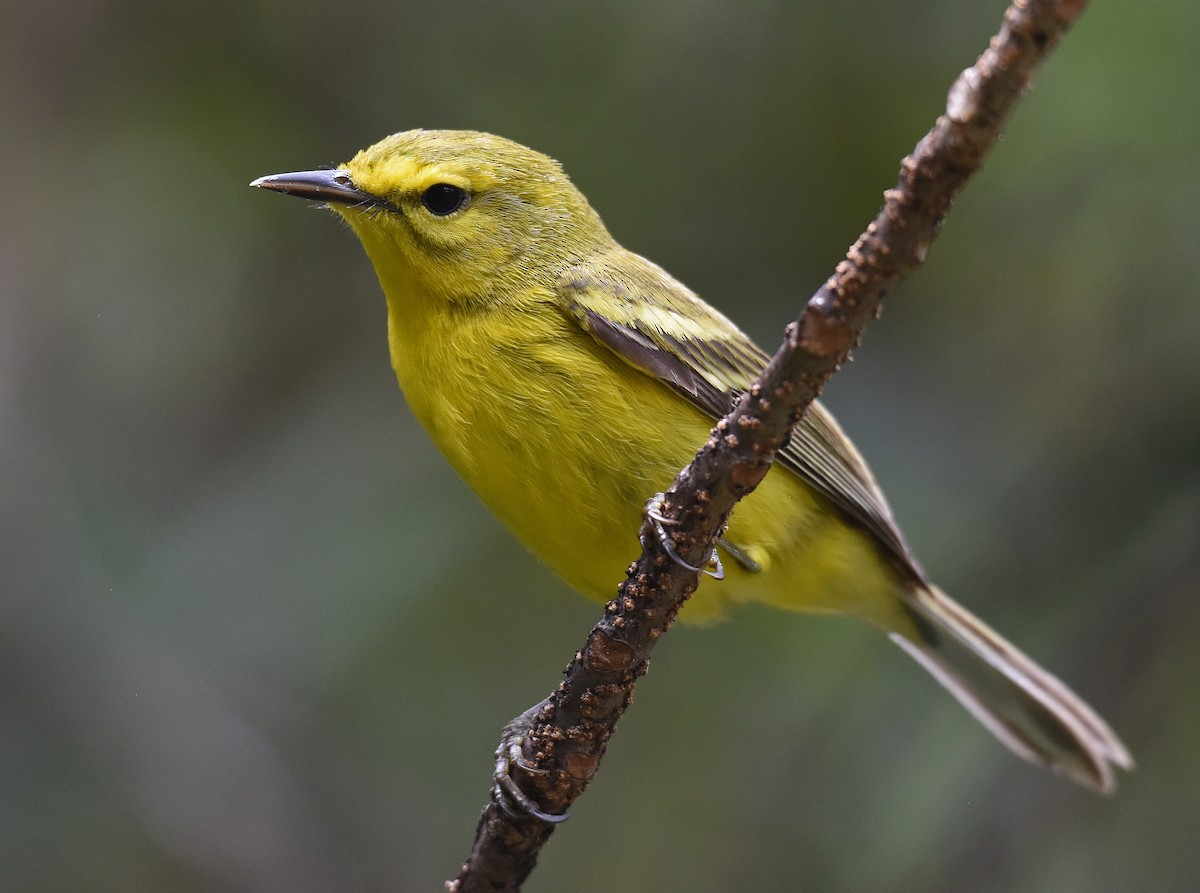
point(568, 380)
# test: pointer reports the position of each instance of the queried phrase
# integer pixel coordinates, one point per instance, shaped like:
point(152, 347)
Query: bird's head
point(458, 214)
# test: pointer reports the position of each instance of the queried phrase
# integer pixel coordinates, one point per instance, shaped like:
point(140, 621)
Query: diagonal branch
point(568, 733)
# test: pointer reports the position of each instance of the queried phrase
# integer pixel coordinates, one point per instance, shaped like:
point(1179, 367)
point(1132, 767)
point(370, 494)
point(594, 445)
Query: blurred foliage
point(250, 622)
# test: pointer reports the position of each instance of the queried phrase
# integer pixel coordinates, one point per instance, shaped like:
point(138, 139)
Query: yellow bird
point(568, 379)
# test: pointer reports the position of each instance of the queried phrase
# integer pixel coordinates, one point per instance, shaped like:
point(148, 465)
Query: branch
point(570, 730)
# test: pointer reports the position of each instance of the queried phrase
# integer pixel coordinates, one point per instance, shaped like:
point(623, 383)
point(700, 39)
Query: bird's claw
point(505, 791)
point(653, 511)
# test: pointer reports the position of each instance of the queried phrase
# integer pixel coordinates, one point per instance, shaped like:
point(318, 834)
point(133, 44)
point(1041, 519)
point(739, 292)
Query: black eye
point(442, 199)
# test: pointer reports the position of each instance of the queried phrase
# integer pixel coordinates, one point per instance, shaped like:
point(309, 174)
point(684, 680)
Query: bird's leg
point(740, 556)
point(511, 754)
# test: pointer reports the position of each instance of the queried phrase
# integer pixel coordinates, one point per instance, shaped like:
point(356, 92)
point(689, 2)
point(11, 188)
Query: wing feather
point(659, 326)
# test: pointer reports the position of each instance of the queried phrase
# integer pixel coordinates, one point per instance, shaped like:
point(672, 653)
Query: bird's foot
point(510, 755)
point(660, 522)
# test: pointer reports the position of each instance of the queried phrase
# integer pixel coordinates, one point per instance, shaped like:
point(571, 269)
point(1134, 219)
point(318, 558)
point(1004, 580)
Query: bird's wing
point(657, 325)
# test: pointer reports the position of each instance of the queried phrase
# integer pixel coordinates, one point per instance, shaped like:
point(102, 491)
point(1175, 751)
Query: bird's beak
point(324, 186)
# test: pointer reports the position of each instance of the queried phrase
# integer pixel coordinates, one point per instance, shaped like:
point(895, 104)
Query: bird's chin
point(369, 225)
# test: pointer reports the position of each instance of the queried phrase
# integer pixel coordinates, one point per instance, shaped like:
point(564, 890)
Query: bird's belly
point(567, 455)
point(569, 482)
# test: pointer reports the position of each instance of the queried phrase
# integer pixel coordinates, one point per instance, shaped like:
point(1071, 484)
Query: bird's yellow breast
point(565, 443)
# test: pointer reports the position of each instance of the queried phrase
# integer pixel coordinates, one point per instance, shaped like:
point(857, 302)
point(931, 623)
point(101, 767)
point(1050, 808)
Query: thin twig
point(572, 729)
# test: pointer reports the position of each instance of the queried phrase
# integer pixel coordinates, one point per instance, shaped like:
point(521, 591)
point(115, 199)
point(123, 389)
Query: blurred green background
point(250, 623)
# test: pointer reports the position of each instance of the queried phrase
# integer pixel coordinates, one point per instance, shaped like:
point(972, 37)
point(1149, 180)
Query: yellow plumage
point(568, 380)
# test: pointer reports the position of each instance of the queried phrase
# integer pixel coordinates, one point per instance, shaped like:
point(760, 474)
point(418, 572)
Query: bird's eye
point(443, 199)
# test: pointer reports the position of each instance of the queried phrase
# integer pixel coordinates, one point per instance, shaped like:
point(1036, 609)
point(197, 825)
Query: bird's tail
point(1028, 709)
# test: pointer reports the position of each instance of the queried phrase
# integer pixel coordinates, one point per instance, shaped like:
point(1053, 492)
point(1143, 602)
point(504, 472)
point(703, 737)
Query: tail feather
point(1027, 708)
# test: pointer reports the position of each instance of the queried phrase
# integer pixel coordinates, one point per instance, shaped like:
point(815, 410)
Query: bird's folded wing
point(660, 327)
